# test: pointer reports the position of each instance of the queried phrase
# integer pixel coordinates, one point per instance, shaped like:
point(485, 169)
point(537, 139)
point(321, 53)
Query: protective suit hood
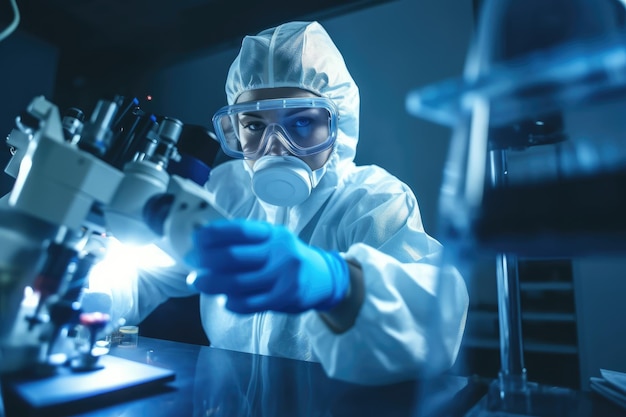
point(302, 55)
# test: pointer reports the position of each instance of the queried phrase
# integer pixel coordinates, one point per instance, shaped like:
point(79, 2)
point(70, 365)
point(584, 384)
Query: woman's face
point(268, 118)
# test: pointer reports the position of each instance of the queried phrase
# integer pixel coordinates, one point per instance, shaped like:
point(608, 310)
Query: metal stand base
point(535, 400)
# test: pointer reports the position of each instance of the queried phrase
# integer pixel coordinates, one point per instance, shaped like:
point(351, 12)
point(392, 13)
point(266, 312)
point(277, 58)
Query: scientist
point(320, 260)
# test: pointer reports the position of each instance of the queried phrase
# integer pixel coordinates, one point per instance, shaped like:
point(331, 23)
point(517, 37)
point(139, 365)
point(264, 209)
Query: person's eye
point(253, 126)
point(302, 122)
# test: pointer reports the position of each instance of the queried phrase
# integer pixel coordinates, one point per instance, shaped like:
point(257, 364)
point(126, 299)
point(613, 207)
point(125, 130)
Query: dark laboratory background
point(174, 55)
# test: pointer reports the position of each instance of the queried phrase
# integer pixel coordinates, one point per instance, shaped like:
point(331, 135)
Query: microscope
point(79, 183)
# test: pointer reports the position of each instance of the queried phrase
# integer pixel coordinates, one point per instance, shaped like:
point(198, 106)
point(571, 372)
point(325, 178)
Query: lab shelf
point(549, 326)
point(527, 316)
point(539, 347)
point(546, 286)
point(551, 317)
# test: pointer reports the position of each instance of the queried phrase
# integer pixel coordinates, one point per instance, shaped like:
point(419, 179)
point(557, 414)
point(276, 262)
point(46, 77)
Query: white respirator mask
point(284, 180)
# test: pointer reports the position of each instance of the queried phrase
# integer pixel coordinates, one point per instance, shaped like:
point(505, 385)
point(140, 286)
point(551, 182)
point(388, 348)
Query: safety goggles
point(303, 126)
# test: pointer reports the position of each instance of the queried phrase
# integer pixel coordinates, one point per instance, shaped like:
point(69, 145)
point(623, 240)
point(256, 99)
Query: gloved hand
point(260, 266)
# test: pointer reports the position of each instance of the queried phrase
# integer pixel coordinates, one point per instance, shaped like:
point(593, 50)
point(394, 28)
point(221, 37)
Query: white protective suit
point(412, 319)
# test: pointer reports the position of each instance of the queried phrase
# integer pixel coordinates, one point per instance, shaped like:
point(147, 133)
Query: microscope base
point(67, 392)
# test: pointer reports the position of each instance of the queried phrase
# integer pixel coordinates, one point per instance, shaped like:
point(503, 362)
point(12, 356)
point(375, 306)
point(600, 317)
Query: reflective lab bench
point(213, 382)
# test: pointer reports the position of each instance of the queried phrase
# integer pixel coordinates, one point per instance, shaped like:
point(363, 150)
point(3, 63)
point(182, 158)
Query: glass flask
point(537, 159)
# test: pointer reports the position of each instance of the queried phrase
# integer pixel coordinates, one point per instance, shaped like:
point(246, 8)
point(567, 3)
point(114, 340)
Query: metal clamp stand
point(512, 376)
point(512, 395)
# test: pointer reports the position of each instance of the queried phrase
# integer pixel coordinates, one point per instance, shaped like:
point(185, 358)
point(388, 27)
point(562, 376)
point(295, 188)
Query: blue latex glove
point(260, 266)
